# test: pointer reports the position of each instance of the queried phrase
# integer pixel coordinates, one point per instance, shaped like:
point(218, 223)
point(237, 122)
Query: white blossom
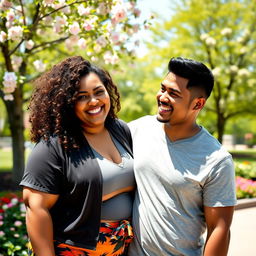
point(110, 58)
point(29, 44)
point(102, 9)
point(243, 72)
point(135, 28)
point(243, 50)
point(5, 5)
point(115, 37)
point(39, 65)
point(15, 33)
point(233, 69)
point(14, 201)
point(3, 36)
point(74, 28)
point(48, 2)
point(203, 37)
point(97, 48)
point(88, 25)
point(216, 71)
point(10, 82)
point(82, 11)
point(101, 40)
point(226, 31)
point(10, 16)
point(8, 97)
point(81, 43)
point(71, 42)
point(48, 20)
point(210, 41)
point(93, 58)
point(59, 23)
point(118, 12)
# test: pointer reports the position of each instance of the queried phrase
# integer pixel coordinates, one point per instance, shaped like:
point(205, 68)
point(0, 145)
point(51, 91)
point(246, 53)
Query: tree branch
point(16, 47)
point(62, 7)
point(48, 43)
point(23, 12)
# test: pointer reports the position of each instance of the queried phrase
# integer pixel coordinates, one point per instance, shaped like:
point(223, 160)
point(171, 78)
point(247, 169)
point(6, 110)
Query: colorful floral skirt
point(114, 238)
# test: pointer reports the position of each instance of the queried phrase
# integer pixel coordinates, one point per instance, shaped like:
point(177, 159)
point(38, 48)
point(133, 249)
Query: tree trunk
point(221, 122)
point(16, 121)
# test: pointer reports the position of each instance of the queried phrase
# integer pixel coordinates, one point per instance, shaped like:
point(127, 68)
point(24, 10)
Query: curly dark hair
point(54, 97)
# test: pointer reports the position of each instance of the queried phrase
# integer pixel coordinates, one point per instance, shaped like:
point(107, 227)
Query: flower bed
point(13, 235)
point(245, 188)
point(245, 179)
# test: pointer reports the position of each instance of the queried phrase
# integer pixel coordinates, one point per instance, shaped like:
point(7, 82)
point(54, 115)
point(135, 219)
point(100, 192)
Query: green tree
point(35, 34)
point(220, 33)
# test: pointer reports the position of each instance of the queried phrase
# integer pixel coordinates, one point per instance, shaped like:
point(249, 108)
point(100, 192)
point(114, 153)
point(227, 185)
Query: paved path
point(243, 233)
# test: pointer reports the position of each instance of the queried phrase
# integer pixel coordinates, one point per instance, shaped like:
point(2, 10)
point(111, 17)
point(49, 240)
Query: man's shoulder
point(218, 150)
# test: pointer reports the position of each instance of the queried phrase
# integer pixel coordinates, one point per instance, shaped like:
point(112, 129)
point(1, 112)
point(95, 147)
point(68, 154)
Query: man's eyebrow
point(171, 89)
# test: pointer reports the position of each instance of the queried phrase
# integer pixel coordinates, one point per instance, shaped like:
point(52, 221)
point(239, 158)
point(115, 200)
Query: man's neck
point(176, 132)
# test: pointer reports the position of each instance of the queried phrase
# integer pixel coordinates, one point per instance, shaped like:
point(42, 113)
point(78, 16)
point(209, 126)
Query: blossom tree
point(222, 34)
point(34, 33)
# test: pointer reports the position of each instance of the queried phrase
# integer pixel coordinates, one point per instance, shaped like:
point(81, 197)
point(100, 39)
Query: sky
point(161, 7)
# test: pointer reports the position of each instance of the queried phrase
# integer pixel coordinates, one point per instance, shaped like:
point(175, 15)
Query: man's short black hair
point(196, 72)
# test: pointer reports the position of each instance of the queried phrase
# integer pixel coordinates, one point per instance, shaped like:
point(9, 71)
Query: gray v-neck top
point(116, 177)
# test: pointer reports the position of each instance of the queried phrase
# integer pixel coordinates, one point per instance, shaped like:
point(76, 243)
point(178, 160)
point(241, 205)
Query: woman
point(78, 182)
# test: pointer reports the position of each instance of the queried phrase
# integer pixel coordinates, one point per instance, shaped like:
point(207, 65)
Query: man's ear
point(199, 103)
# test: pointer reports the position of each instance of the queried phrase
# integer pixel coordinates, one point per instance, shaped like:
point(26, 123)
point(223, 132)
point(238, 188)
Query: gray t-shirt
point(174, 182)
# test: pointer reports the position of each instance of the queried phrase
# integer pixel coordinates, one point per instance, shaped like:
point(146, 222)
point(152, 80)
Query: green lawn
point(6, 159)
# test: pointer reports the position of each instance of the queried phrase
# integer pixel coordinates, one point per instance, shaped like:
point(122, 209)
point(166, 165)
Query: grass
point(6, 159)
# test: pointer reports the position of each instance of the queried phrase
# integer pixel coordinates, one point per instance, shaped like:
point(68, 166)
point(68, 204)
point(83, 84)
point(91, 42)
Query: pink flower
point(137, 12)
point(29, 44)
point(118, 13)
point(114, 37)
point(5, 5)
point(10, 16)
point(15, 33)
point(88, 25)
point(74, 28)
point(17, 223)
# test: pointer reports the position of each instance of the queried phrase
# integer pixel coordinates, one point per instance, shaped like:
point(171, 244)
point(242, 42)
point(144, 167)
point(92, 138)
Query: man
point(185, 178)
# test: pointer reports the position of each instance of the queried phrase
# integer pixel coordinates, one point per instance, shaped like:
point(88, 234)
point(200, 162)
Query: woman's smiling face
point(93, 102)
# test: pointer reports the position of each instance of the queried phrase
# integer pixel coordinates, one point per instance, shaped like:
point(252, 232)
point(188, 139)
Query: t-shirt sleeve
point(43, 171)
point(219, 189)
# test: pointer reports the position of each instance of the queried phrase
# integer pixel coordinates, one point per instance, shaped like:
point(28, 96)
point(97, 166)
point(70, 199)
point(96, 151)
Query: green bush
point(245, 169)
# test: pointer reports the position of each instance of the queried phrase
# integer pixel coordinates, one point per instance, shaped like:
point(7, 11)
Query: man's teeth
point(94, 111)
point(165, 108)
